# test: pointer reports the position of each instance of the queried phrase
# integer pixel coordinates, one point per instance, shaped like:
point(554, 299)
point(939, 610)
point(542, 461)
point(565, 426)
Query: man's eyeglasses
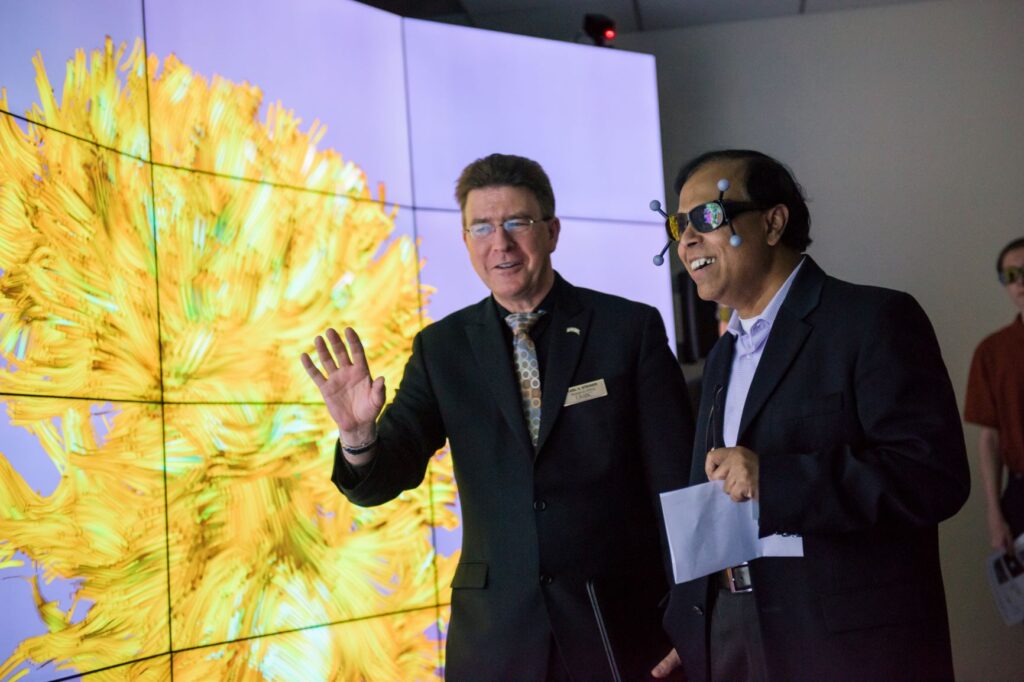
point(707, 217)
point(513, 226)
point(1011, 275)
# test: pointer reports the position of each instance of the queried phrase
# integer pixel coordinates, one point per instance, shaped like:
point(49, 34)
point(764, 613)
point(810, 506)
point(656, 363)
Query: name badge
point(584, 392)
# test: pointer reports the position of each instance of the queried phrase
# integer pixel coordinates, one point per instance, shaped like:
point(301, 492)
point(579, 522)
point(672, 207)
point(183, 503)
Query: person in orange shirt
point(995, 402)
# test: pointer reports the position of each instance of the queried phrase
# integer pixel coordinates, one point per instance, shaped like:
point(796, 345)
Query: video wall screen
point(333, 70)
point(189, 194)
point(588, 115)
point(50, 74)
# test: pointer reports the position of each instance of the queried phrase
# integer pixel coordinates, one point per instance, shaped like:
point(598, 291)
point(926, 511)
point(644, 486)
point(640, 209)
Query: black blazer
point(545, 535)
point(861, 451)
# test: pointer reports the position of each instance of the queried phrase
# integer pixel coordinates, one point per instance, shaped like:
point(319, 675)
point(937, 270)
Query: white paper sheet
point(708, 532)
point(1006, 578)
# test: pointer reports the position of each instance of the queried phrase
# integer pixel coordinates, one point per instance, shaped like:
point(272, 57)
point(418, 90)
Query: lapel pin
point(573, 330)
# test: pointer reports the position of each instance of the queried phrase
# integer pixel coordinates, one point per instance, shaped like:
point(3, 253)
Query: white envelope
point(708, 532)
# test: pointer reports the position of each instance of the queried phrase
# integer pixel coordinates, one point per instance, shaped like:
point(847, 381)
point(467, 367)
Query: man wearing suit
point(828, 404)
point(566, 414)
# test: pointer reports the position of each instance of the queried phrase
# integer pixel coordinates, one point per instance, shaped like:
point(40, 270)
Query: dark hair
point(499, 170)
point(768, 182)
point(1015, 244)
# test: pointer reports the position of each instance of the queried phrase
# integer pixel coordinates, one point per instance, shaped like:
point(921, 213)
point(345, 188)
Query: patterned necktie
point(524, 354)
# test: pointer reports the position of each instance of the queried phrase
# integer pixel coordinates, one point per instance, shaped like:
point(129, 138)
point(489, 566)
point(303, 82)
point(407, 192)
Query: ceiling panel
point(563, 19)
point(662, 14)
point(834, 5)
point(475, 7)
point(557, 20)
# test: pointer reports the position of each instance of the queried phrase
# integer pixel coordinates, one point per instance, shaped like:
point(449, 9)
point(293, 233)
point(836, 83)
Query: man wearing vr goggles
point(828, 404)
point(995, 402)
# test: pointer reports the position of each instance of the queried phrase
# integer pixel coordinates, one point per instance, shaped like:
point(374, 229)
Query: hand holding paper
point(708, 532)
point(737, 468)
point(1005, 572)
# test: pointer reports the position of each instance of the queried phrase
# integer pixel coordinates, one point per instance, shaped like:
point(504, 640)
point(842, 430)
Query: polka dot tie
point(524, 355)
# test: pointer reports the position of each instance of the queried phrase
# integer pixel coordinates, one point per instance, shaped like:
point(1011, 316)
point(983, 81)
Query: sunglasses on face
point(707, 217)
point(1011, 275)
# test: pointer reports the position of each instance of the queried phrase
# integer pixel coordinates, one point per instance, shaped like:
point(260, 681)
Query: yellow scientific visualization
point(165, 493)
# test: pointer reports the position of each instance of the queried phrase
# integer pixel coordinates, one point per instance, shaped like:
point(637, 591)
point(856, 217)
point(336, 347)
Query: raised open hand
point(353, 399)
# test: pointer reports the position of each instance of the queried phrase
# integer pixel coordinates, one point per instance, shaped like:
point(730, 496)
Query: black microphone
point(655, 205)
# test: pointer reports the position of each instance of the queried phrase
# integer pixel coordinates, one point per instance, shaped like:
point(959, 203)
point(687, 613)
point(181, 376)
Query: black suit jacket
point(853, 417)
point(546, 533)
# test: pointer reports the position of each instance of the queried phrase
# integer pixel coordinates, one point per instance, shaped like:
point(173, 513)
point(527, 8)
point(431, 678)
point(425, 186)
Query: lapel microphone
point(655, 205)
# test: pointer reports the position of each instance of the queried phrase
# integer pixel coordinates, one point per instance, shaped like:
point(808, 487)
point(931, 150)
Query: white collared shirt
point(751, 336)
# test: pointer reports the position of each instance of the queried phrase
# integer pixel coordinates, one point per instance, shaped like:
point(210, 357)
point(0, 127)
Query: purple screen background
point(410, 102)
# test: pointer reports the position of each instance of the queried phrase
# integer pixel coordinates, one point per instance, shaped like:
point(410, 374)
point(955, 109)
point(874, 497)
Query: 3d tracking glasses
point(707, 217)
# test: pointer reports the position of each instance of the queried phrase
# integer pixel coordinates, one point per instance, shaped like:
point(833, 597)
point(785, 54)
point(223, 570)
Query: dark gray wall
point(904, 125)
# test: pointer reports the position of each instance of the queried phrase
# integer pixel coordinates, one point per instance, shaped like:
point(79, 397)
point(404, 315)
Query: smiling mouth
point(505, 266)
point(700, 263)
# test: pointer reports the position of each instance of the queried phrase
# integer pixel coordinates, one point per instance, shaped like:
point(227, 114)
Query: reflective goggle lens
point(706, 217)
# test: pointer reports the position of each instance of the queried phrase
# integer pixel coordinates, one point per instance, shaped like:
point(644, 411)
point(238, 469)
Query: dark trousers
point(1013, 503)
point(557, 672)
point(735, 648)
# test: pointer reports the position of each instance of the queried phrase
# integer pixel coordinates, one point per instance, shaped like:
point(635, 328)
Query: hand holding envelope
point(708, 532)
